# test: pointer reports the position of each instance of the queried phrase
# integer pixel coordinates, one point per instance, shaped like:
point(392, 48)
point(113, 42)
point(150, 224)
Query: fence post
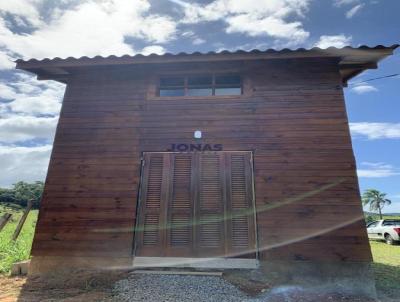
point(22, 220)
point(4, 219)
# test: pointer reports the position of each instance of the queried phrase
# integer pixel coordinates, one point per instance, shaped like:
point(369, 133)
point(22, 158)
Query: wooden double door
point(197, 204)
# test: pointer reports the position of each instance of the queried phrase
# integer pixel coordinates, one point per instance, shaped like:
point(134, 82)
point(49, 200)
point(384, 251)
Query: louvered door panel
point(151, 230)
point(180, 209)
point(196, 204)
point(211, 209)
point(210, 231)
point(240, 204)
point(150, 227)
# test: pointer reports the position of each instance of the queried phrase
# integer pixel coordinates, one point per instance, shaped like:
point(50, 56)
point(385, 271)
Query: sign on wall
point(195, 147)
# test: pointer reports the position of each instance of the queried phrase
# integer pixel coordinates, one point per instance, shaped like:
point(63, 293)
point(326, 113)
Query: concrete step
point(157, 272)
point(214, 263)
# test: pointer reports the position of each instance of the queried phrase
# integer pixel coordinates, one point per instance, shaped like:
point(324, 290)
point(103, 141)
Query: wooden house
point(242, 157)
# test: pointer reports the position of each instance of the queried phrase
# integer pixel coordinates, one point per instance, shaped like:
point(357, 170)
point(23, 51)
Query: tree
point(369, 218)
point(376, 200)
point(21, 192)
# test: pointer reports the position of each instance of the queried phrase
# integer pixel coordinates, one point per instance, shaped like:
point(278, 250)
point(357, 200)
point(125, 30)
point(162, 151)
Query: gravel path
point(176, 288)
point(182, 288)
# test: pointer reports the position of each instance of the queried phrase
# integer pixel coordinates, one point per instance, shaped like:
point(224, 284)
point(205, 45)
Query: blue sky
point(41, 28)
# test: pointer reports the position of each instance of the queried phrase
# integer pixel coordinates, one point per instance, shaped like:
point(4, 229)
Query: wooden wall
point(292, 117)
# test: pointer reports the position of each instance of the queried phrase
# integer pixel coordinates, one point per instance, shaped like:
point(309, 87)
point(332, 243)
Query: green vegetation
point(387, 268)
point(10, 251)
point(376, 200)
point(21, 192)
point(369, 217)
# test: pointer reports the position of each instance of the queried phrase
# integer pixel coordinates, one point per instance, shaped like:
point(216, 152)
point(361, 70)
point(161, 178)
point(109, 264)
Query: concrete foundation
point(20, 268)
point(47, 265)
point(354, 278)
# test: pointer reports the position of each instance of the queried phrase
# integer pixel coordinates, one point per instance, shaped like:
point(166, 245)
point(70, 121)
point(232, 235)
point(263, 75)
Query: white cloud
point(157, 49)
point(26, 95)
point(16, 128)
point(340, 3)
point(376, 170)
point(375, 130)
point(187, 34)
point(191, 35)
point(23, 163)
point(198, 41)
point(91, 28)
point(31, 97)
point(353, 11)
point(7, 92)
point(335, 41)
point(266, 26)
point(26, 9)
point(364, 88)
point(6, 61)
point(253, 17)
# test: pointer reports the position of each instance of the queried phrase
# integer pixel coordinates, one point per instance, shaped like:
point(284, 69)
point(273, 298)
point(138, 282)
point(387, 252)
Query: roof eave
point(362, 58)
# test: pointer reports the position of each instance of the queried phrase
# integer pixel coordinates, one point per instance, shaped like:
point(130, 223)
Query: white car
point(386, 229)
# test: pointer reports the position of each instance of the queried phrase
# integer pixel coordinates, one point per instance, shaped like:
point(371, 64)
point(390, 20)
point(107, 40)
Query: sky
point(39, 29)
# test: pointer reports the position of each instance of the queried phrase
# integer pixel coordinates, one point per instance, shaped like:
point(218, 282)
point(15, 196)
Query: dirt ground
point(81, 287)
point(84, 286)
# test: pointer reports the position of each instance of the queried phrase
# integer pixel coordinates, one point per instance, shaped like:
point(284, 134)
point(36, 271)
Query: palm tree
point(376, 200)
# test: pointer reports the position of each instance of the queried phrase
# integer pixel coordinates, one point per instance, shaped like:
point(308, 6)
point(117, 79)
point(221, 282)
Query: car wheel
point(389, 239)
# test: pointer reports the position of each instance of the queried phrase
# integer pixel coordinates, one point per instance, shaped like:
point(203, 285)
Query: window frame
point(154, 92)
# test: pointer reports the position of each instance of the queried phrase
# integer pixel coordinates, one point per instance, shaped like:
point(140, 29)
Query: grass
point(387, 268)
point(19, 250)
point(376, 216)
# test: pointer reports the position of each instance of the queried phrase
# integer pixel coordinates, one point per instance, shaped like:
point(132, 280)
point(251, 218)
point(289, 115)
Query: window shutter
point(240, 223)
point(211, 204)
point(240, 207)
point(181, 206)
point(197, 204)
point(150, 227)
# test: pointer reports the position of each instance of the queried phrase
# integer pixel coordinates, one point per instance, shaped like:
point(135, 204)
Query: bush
point(369, 218)
point(22, 192)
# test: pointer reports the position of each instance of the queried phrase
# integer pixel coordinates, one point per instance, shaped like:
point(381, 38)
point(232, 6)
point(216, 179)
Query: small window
point(172, 86)
point(200, 85)
point(196, 81)
point(172, 92)
point(228, 91)
point(228, 85)
point(175, 81)
point(228, 80)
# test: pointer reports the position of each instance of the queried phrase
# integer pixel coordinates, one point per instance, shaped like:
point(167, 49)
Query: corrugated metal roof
point(330, 50)
point(352, 60)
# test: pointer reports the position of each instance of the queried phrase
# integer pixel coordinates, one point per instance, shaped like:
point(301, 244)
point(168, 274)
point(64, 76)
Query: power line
point(373, 79)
